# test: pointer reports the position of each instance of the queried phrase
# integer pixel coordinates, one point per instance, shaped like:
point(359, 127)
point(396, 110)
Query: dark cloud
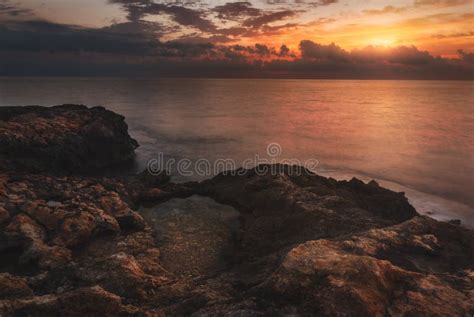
point(251, 18)
point(262, 50)
point(184, 16)
point(284, 51)
point(42, 36)
point(196, 38)
point(234, 31)
point(138, 27)
point(137, 10)
point(314, 51)
point(267, 18)
point(247, 20)
point(236, 10)
point(467, 57)
point(409, 55)
point(276, 29)
point(47, 36)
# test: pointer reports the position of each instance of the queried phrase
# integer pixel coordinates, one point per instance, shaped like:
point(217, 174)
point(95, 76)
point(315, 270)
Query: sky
point(419, 39)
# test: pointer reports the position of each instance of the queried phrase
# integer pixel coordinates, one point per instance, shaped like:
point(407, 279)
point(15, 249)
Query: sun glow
point(381, 42)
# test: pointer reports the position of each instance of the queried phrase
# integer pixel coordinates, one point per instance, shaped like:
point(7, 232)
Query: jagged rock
point(25, 233)
point(126, 218)
point(46, 229)
point(63, 138)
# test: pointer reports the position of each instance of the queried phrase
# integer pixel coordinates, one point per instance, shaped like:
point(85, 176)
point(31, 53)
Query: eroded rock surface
point(70, 138)
point(407, 269)
point(300, 245)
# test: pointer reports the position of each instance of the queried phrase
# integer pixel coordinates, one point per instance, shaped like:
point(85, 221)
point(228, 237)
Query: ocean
point(411, 136)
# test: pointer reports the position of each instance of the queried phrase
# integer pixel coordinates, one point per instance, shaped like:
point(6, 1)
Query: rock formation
point(304, 245)
point(68, 138)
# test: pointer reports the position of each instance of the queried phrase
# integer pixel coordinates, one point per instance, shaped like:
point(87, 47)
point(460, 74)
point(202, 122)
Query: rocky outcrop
point(293, 243)
point(69, 138)
point(296, 205)
point(407, 269)
point(49, 216)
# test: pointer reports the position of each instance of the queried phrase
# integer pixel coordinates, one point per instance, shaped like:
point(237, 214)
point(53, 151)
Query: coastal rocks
point(252, 243)
point(46, 229)
point(95, 262)
point(296, 205)
point(291, 187)
point(367, 281)
point(68, 138)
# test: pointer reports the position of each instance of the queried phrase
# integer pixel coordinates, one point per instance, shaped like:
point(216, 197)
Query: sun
point(381, 41)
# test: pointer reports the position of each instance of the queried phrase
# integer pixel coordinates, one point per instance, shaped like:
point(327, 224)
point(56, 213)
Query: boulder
point(70, 138)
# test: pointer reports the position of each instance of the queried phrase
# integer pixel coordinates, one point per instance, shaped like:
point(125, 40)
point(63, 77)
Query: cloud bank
point(138, 46)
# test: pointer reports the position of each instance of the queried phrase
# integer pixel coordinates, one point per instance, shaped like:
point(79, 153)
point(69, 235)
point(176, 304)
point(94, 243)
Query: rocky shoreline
point(76, 244)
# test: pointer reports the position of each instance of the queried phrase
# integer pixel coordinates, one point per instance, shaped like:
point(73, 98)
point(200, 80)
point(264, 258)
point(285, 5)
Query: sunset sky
point(145, 32)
